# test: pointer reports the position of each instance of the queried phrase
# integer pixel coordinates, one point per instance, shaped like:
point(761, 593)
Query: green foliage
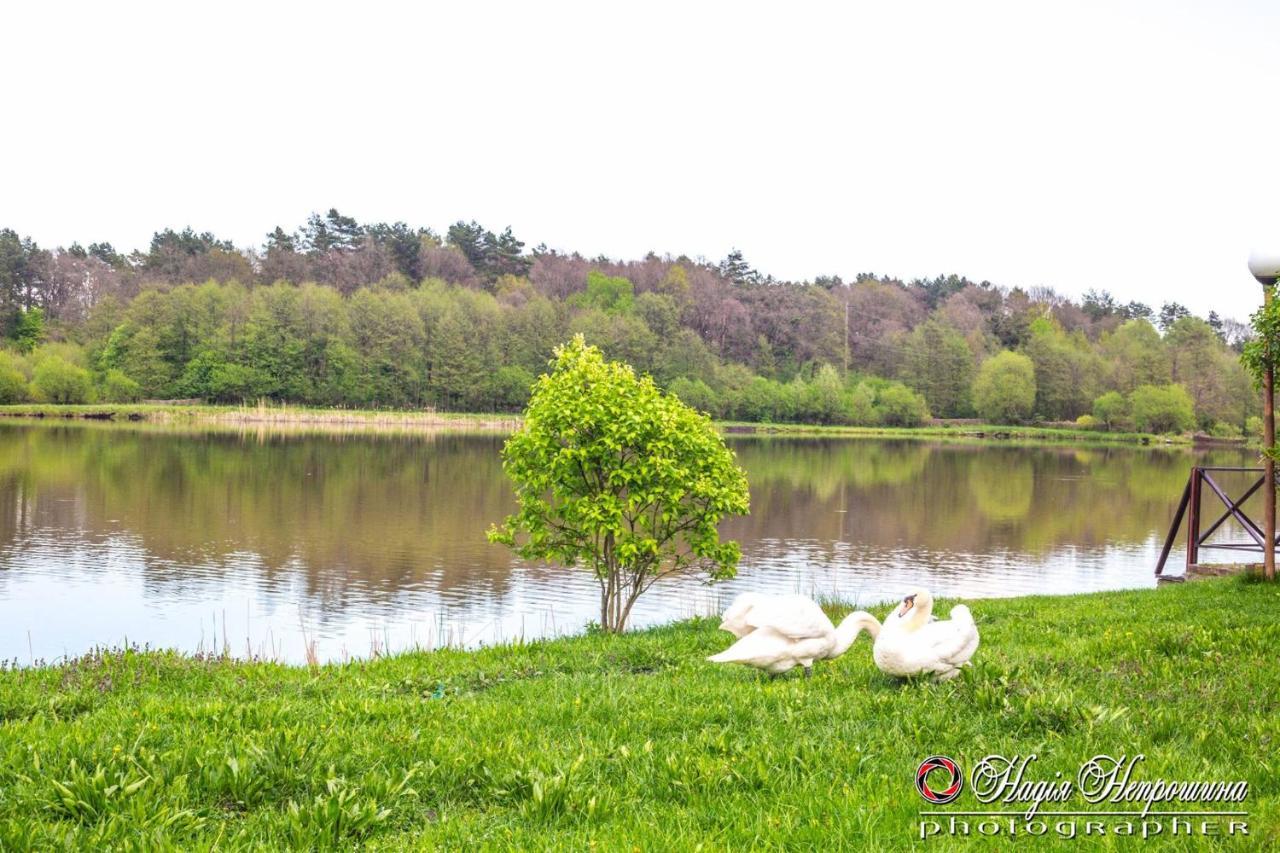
point(510, 388)
point(938, 363)
point(1111, 410)
point(898, 405)
point(1162, 408)
point(697, 394)
point(607, 293)
point(28, 329)
point(1004, 390)
point(862, 406)
point(1066, 371)
point(612, 473)
point(58, 381)
point(118, 388)
point(13, 381)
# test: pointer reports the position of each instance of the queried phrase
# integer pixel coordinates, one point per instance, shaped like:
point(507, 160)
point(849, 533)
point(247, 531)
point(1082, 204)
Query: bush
point(510, 386)
point(1253, 427)
point(1162, 408)
point(13, 385)
point(1086, 422)
point(862, 406)
point(1222, 429)
point(696, 394)
point(1004, 390)
point(1111, 410)
point(898, 405)
point(57, 381)
point(13, 382)
point(119, 388)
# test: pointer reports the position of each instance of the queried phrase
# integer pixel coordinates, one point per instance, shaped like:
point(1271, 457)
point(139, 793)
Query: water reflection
point(361, 541)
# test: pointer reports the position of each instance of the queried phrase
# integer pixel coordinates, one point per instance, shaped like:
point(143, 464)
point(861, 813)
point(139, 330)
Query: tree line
point(343, 313)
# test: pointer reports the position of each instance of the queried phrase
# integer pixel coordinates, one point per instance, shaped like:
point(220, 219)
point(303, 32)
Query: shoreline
point(286, 416)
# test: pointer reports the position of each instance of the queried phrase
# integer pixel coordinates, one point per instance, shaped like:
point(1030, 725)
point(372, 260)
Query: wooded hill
point(387, 315)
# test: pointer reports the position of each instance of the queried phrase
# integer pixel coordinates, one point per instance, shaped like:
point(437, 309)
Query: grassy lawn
point(635, 741)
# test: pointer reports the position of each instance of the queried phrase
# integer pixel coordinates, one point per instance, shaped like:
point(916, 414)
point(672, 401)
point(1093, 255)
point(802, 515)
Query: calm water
point(361, 542)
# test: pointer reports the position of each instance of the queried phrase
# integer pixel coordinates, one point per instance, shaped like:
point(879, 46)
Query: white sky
point(1128, 146)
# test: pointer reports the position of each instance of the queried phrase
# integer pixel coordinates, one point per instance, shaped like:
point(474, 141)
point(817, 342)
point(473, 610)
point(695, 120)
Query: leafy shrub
point(862, 406)
point(119, 388)
point(13, 382)
point(57, 381)
point(696, 394)
point(1222, 429)
point(898, 405)
point(1087, 422)
point(1004, 390)
point(1162, 408)
point(1111, 410)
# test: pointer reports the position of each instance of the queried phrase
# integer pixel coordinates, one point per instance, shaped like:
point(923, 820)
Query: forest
point(385, 315)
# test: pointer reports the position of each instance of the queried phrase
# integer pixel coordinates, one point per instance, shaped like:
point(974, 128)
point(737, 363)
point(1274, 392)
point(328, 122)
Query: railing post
point(1173, 528)
point(1193, 521)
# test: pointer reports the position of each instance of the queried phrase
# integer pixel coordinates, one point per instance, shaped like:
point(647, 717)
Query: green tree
point(696, 394)
point(862, 406)
point(118, 388)
point(1004, 390)
point(58, 381)
point(607, 293)
point(898, 405)
point(612, 473)
point(28, 329)
point(13, 384)
point(1135, 355)
point(1111, 409)
point(938, 363)
point(1066, 371)
point(1162, 408)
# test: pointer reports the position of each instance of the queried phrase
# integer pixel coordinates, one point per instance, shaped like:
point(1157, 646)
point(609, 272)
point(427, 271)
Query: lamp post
point(1265, 267)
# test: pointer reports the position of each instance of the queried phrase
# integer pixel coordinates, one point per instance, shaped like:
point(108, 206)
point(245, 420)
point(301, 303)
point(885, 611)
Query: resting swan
point(779, 633)
point(910, 644)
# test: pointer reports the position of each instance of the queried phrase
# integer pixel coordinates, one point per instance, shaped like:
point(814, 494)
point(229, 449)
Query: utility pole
point(1266, 269)
point(846, 332)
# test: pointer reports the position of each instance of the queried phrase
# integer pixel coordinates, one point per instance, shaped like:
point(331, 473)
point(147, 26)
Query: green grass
point(634, 741)
point(290, 415)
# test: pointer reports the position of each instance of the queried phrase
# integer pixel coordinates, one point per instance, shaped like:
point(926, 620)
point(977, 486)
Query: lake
point(261, 542)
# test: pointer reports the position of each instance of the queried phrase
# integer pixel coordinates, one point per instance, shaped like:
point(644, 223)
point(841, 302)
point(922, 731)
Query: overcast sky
point(1127, 146)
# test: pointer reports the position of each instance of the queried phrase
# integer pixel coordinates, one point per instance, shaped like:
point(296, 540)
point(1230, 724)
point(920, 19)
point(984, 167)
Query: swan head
point(919, 600)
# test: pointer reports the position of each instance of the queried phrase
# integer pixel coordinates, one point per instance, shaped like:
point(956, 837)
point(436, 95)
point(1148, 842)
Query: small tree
point(1005, 388)
point(616, 475)
point(29, 329)
point(58, 381)
point(1111, 409)
point(1162, 408)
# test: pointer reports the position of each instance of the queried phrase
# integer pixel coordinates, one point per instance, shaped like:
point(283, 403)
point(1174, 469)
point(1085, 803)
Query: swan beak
point(907, 604)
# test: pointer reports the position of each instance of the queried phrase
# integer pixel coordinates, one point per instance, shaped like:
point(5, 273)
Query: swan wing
point(793, 616)
point(761, 648)
point(950, 643)
point(736, 619)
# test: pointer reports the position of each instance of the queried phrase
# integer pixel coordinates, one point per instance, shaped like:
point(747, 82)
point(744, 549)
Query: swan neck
point(920, 614)
point(852, 625)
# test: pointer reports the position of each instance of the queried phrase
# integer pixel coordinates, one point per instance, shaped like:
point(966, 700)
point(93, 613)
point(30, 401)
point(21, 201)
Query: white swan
point(910, 644)
point(779, 633)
